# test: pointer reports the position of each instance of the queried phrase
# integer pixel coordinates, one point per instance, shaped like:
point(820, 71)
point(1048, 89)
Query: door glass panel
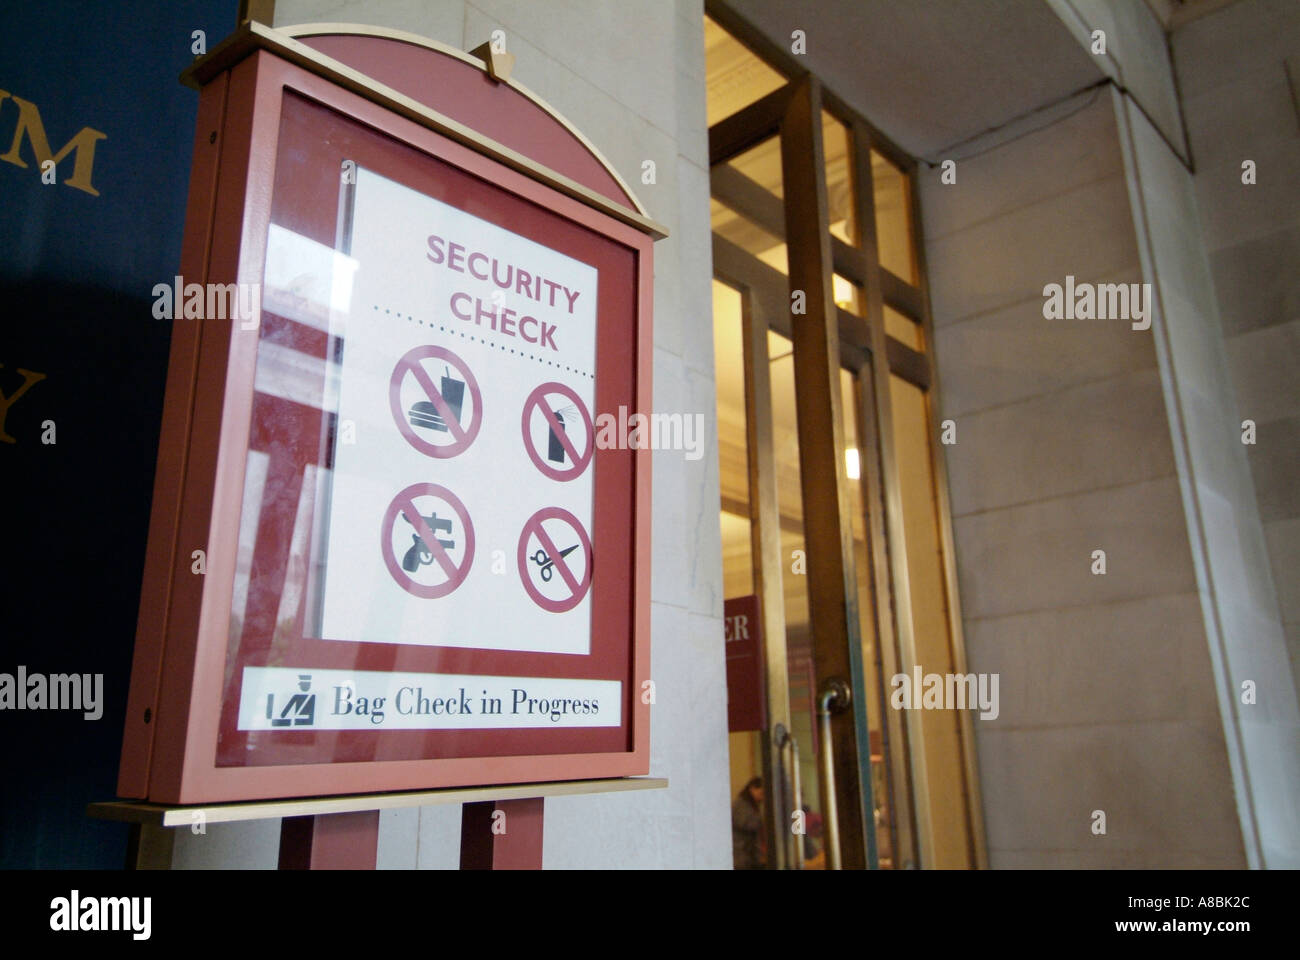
point(762, 165)
point(855, 455)
point(734, 77)
point(902, 328)
point(756, 231)
point(929, 618)
point(838, 157)
point(794, 579)
point(745, 746)
point(748, 235)
point(733, 445)
point(892, 193)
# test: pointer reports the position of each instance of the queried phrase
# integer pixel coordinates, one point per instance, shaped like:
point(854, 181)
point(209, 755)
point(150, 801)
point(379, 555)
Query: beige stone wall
point(1239, 74)
point(1063, 447)
point(1089, 435)
point(1179, 218)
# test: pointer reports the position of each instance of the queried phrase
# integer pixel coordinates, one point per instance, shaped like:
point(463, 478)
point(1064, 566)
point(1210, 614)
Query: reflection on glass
point(839, 179)
point(902, 328)
point(733, 455)
point(881, 793)
point(749, 236)
point(745, 747)
point(762, 166)
point(794, 581)
point(892, 194)
point(733, 76)
point(848, 296)
point(928, 614)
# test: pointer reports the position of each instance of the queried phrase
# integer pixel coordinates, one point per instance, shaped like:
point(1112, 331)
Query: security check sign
point(460, 508)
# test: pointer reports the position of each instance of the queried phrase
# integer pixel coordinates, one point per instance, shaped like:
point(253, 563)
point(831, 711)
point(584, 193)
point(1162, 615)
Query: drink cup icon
point(425, 413)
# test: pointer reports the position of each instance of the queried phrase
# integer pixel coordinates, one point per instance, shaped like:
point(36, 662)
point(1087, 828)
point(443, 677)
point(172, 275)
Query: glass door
point(835, 518)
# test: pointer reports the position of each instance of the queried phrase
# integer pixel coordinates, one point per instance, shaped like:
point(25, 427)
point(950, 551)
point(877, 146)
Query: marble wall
point(1123, 692)
point(1239, 73)
point(1229, 90)
point(1063, 448)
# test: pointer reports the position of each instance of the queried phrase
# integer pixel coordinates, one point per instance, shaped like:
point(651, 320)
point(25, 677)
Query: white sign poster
point(457, 509)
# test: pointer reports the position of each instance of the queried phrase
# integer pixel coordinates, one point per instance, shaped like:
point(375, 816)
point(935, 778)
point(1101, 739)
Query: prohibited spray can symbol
point(554, 448)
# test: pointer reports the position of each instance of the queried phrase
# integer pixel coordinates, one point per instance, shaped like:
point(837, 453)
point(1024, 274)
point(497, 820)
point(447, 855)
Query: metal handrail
point(834, 697)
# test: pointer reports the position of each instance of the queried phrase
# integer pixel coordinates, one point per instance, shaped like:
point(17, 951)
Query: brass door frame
point(832, 584)
point(860, 344)
point(765, 540)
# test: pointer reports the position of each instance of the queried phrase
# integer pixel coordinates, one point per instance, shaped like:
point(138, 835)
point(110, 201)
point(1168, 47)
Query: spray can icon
point(555, 449)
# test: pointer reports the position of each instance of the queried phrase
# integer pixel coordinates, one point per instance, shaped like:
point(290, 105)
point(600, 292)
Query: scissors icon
point(546, 563)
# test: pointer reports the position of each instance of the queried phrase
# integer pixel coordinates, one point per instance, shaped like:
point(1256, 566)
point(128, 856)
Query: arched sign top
point(446, 90)
point(457, 84)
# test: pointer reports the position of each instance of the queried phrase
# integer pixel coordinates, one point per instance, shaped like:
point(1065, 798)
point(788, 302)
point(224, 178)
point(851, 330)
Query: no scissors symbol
point(558, 431)
point(442, 418)
point(430, 554)
point(555, 559)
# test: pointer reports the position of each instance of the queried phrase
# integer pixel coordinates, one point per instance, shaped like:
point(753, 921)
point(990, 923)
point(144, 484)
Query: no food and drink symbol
point(435, 401)
point(427, 540)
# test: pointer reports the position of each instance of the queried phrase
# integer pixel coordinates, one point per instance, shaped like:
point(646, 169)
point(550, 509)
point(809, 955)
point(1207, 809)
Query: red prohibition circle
point(533, 527)
point(538, 399)
point(411, 363)
point(405, 501)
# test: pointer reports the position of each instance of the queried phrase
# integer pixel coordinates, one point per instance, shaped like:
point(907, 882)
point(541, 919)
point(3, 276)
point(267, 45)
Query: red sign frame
point(178, 710)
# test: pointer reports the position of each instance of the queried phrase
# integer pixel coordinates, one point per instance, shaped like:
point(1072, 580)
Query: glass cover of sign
point(422, 491)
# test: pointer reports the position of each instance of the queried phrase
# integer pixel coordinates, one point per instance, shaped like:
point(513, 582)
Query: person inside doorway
point(747, 847)
point(814, 851)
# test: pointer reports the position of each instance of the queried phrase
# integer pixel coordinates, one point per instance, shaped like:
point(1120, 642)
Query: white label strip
point(288, 698)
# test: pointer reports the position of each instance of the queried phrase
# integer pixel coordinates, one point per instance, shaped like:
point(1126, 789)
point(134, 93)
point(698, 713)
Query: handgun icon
point(420, 552)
